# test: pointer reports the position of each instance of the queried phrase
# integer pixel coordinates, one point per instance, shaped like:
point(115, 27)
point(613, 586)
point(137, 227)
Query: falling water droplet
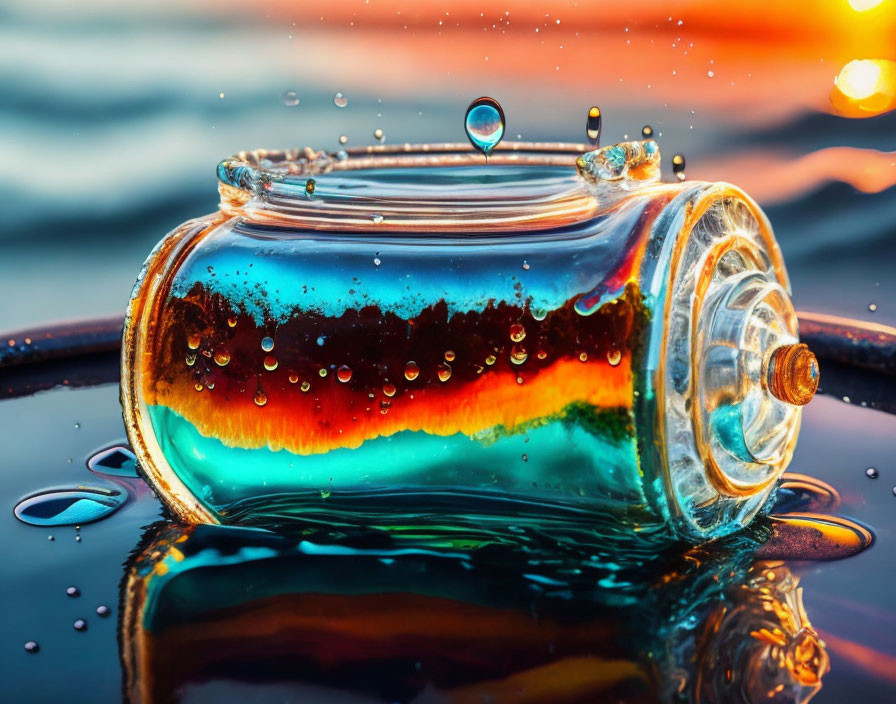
point(310, 185)
point(344, 373)
point(343, 139)
point(80, 625)
point(117, 461)
point(32, 646)
point(73, 592)
point(267, 344)
point(592, 125)
point(678, 165)
point(222, 357)
point(293, 378)
point(411, 371)
point(379, 135)
point(647, 132)
point(449, 355)
point(872, 307)
point(67, 507)
point(270, 362)
point(305, 386)
point(444, 372)
point(260, 398)
point(340, 100)
point(614, 356)
point(290, 99)
point(518, 354)
point(231, 321)
point(872, 473)
point(193, 341)
point(583, 356)
point(389, 390)
point(484, 124)
point(517, 332)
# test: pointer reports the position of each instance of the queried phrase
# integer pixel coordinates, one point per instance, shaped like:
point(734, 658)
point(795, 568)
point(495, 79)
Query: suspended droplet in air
point(484, 124)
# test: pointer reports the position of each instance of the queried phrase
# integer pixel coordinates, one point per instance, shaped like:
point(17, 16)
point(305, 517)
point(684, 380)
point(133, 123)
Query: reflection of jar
point(409, 331)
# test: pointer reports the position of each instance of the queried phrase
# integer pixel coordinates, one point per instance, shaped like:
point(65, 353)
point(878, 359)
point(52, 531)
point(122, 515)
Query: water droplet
point(583, 357)
point(376, 218)
point(222, 357)
point(322, 372)
point(872, 473)
point(77, 538)
point(525, 457)
point(190, 359)
point(290, 99)
point(325, 493)
point(444, 372)
point(525, 265)
point(293, 378)
point(517, 332)
point(77, 426)
point(377, 261)
point(389, 390)
point(305, 386)
point(411, 371)
point(50, 538)
point(678, 165)
point(118, 461)
point(343, 139)
point(647, 132)
point(541, 354)
point(518, 354)
point(73, 592)
point(267, 344)
point(80, 625)
point(378, 134)
point(67, 507)
point(344, 373)
point(614, 356)
point(449, 355)
point(710, 74)
point(484, 124)
point(872, 307)
point(310, 185)
point(231, 321)
point(270, 362)
point(102, 610)
point(490, 360)
point(260, 398)
point(193, 341)
point(32, 646)
point(592, 125)
point(198, 386)
point(340, 100)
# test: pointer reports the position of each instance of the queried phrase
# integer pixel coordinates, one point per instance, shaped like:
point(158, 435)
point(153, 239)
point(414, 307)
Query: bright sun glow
point(863, 5)
point(859, 79)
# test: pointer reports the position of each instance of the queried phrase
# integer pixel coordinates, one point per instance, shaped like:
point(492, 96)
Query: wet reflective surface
point(445, 613)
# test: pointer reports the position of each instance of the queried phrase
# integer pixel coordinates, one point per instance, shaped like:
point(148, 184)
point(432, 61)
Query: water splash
point(484, 124)
point(68, 507)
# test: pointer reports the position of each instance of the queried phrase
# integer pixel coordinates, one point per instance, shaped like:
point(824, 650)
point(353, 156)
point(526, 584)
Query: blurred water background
point(114, 115)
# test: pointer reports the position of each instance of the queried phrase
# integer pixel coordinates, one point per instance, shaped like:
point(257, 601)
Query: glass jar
point(398, 332)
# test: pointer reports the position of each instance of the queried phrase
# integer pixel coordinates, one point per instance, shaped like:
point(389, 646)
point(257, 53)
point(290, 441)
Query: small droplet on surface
point(270, 362)
point(376, 218)
point(310, 185)
point(343, 139)
point(411, 371)
point(449, 355)
point(379, 135)
point(290, 99)
point(647, 132)
point(32, 646)
point(444, 372)
point(267, 344)
point(102, 610)
point(67, 507)
point(73, 592)
point(678, 164)
point(389, 390)
point(484, 124)
point(344, 373)
point(260, 398)
point(305, 386)
point(80, 625)
point(118, 461)
point(872, 473)
point(193, 341)
point(517, 332)
point(614, 356)
point(222, 357)
point(340, 100)
point(592, 125)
